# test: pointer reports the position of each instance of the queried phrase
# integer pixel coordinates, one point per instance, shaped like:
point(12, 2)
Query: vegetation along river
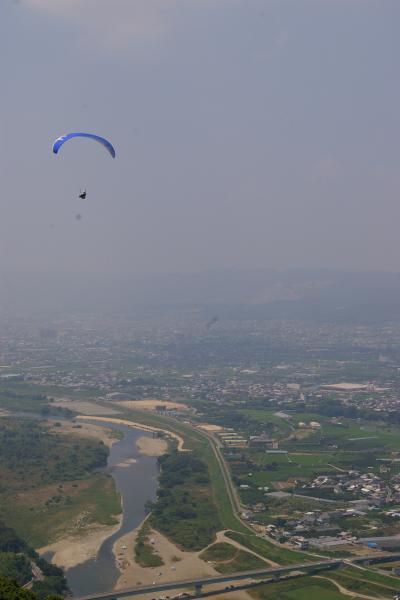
point(136, 483)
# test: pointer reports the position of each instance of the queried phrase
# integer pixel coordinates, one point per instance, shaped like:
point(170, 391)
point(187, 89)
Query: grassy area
point(29, 388)
point(299, 588)
point(45, 514)
point(20, 399)
point(228, 559)
point(145, 555)
point(389, 565)
point(268, 416)
point(48, 487)
point(272, 551)
point(243, 561)
point(346, 434)
point(282, 467)
point(370, 575)
point(22, 396)
point(365, 582)
point(219, 552)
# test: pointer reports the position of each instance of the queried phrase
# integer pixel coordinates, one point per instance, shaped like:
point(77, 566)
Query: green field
point(242, 561)
point(278, 467)
point(228, 559)
point(366, 582)
point(299, 588)
point(219, 552)
point(344, 434)
point(21, 396)
point(46, 514)
point(268, 416)
point(48, 485)
point(274, 552)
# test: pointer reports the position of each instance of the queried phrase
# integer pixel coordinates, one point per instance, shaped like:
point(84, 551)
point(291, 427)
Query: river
point(136, 482)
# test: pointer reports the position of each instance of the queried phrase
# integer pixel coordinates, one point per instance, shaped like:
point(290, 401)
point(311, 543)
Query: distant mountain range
point(318, 295)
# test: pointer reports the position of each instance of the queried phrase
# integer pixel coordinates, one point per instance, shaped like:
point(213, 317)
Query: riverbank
point(134, 425)
point(74, 550)
point(88, 430)
point(85, 551)
point(178, 564)
point(84, 544)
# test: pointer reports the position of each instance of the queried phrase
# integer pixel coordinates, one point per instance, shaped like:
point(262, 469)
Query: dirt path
point(347, 592)
point(336, 468)
point(221, 537)
point(178, 564)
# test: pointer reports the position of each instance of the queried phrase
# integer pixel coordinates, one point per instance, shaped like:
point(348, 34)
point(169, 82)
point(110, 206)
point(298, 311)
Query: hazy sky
point(249, 133)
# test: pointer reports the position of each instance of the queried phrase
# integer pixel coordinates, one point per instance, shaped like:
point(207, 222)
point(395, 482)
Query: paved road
point(233, 496)
point(256, 574)
point(192, 583)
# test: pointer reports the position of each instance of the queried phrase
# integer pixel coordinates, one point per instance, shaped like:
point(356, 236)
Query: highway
point(198, 583)
point(256, 574)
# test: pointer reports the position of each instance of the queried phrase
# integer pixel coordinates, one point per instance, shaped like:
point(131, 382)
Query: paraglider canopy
point(68, 136)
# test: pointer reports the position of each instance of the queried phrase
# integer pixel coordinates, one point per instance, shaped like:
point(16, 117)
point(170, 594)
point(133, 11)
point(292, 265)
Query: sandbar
point(151, 404)
point(84, 406)
point(178, 564)
point(151, 446)
point(177, 437)
point(73, 550)
point(99, 432)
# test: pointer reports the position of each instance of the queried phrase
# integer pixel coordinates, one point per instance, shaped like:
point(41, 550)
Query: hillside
point(21, 565)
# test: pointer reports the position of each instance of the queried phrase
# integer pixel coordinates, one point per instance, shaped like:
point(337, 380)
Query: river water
point(136, 482)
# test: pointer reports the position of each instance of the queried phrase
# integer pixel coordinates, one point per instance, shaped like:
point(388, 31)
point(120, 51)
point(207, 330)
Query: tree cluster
point(185, 511)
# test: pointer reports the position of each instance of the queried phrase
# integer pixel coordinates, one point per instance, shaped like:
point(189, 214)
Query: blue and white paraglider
point(97, 138)
point(59, 142)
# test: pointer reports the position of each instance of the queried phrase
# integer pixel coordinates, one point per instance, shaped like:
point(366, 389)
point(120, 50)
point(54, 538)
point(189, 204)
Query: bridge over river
point(198, 584)
point(258, 574)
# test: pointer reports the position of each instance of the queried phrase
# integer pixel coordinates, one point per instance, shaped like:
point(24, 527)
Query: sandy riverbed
point(177, 437)
point(73, 550)
point(208, 427)
point(178, 564)
point(88, 430)
point(151, 446)
point(152, 404)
